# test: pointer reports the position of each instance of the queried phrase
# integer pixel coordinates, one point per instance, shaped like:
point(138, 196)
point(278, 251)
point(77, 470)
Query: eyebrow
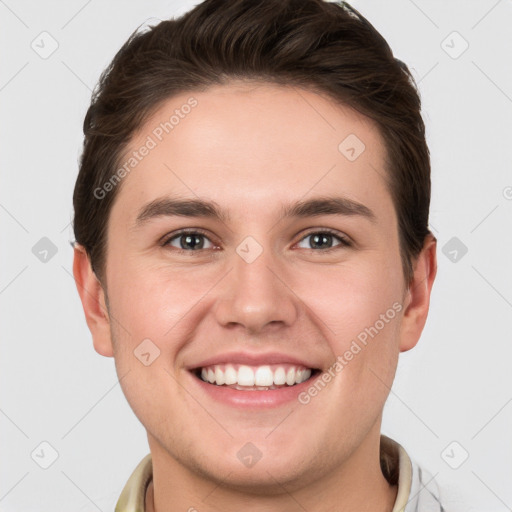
point(328, 206)
point(169, 207)
point(180, 207)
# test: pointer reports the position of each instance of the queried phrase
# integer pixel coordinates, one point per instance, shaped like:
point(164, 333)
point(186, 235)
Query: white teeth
point(245, 376)
point(230, 375)
point(219, 376)
point(279, 376)
point(265, 376)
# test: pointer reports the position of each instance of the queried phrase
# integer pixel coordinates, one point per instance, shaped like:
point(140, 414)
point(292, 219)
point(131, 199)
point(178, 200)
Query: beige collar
point(404, 464)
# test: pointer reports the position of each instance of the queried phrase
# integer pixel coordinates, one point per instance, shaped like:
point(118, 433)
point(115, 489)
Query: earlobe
point(92, 296)
point(418, 295)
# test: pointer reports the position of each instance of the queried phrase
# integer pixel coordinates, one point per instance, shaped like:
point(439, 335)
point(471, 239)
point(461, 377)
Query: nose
point(256, 297)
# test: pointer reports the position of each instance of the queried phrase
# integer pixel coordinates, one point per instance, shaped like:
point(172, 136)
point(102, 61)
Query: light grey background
point(455, 386)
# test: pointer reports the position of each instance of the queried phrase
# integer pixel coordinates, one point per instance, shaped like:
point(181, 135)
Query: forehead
point(245, 142)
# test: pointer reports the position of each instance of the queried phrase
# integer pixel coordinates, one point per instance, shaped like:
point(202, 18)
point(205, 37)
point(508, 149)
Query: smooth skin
point(252, 149)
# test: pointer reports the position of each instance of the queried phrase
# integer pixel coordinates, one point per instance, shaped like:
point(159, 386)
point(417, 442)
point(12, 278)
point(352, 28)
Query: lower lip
point(254, 399)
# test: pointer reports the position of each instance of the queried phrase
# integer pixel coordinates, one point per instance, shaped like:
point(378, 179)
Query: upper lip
point(252, 359)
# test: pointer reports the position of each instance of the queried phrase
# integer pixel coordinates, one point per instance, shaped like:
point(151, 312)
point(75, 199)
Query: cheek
point(151, 302)
point(350, 300)
point(360, 312)
point(145, 317)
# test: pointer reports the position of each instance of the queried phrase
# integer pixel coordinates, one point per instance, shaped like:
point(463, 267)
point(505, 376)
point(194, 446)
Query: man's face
point(256, 291)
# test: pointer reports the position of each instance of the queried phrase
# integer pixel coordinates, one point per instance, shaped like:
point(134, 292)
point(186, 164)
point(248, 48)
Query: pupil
point(320, 239)
point(191, 241)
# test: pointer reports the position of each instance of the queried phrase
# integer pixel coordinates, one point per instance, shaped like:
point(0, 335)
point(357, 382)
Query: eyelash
point(344, 241)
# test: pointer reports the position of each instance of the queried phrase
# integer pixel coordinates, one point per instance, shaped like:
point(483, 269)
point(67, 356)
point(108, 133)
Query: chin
point(268, 475)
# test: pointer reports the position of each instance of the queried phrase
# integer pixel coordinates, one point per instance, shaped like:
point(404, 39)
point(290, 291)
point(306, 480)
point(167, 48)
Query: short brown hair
point(326, 47)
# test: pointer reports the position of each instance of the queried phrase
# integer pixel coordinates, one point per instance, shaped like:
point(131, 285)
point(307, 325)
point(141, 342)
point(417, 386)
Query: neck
point(357, 484)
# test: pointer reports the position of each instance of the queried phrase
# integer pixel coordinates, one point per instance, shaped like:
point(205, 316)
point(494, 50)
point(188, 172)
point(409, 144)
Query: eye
point(324, 240)
point(188, 241)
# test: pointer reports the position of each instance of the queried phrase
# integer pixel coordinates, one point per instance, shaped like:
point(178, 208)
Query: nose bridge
point(255, 294)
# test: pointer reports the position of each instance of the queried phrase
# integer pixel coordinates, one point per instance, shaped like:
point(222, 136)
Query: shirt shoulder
point(424, 495)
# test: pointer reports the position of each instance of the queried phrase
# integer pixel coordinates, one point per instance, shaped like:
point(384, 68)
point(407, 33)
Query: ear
point(93, 301)
point(417, 296)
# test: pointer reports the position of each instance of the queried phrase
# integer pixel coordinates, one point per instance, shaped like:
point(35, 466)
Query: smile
point(254, 378)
